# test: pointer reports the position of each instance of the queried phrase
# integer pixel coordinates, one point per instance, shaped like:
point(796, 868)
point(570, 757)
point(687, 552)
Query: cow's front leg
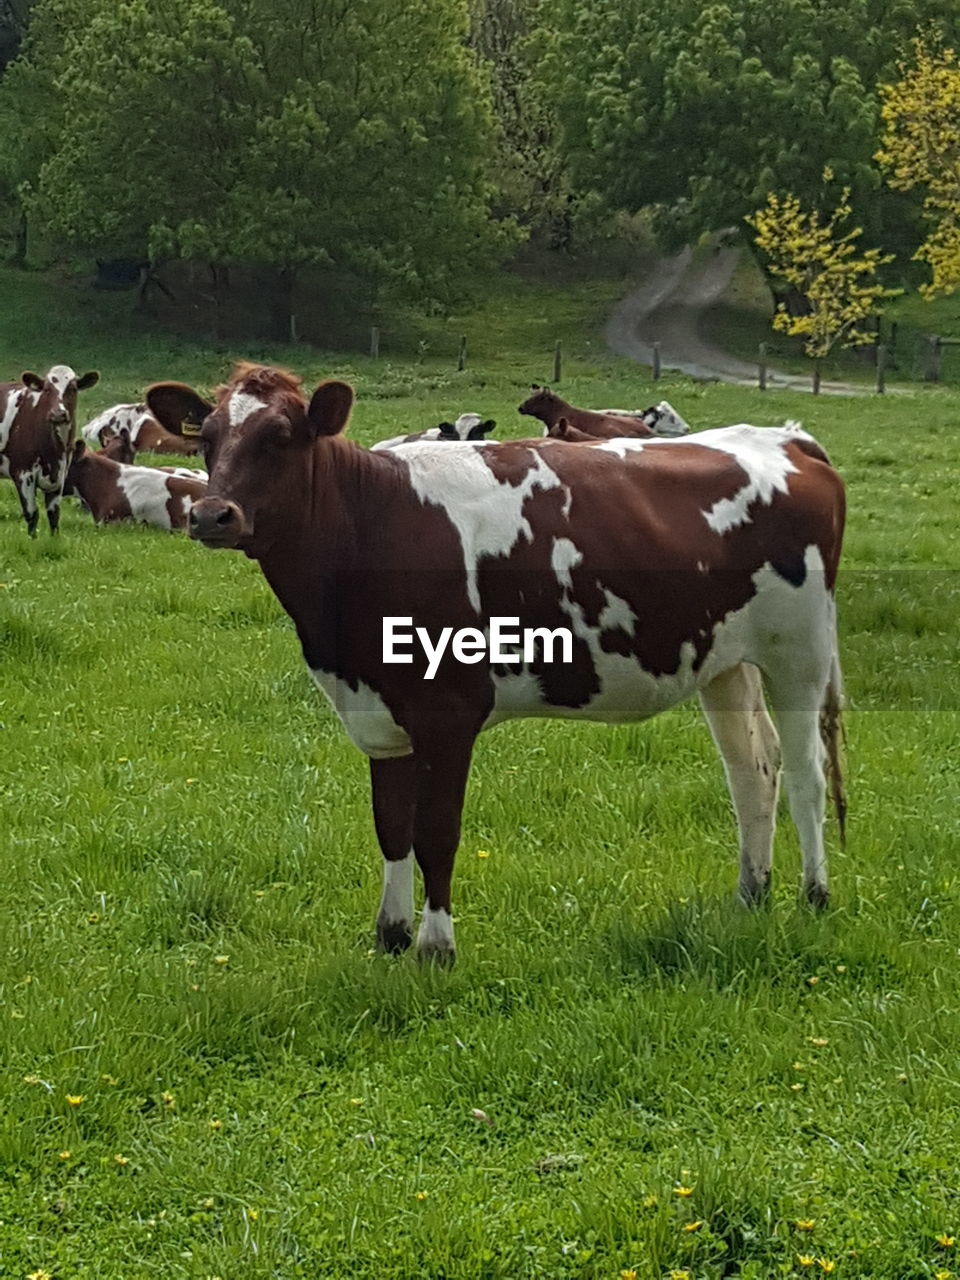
point(27, 490)
point(442, 769)
point(51, 499)
point(394, 788)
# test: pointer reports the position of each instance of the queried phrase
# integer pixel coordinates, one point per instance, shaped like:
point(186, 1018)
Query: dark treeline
point(406, 149)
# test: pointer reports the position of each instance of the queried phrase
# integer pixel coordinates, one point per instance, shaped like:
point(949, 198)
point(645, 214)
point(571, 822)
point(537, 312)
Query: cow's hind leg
point(797, 704)
point(744, 733)
point(394, 788)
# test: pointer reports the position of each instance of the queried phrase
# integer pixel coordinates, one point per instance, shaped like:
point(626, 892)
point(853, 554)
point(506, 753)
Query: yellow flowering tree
point(812, 256)
point(920, 150)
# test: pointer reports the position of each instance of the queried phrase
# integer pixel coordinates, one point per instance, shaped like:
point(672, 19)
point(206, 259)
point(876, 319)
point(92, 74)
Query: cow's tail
point(832, 737)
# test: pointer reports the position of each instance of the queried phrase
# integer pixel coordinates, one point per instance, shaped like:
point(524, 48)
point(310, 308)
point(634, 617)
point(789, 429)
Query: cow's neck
point(316, 562)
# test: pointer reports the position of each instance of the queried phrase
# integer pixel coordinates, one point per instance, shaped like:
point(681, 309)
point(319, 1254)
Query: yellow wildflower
point(805, 1260)
point(120, 1160)
point(421, 1195)
point(109, 1079)
point(31, 1079)
point(683, 1191)
point(694, 1226)
point(40, 1275)
point(75, 1099)
point(253, 1214)
point(818, 1042)
point(798, 1086)
point(221, 959)
point(945, 1241)
point(812, 980)
point(356, 1102)
point(649, 1201)
point(826, 1265)
point(483, 853)
point(679, 1275)
point(805, 1224)
point(628, 1275)
point(942, 1275)
point(216, 1124)
point(65, 1155)
point(168, 1099)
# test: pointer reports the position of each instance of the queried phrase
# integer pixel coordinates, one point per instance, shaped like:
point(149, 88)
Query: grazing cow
point(111, 491)
point(469, 426)
point(146, 434)
point(677, 566)
point(38, 422)
point(549, 408)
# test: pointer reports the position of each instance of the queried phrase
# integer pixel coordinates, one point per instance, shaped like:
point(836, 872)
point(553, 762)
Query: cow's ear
point(88, 380)
point(330, 408)
point(173, 403)
point(125, 434)
point(32, 380)
point(79, 449)
point(481, 429)
point(447, 431)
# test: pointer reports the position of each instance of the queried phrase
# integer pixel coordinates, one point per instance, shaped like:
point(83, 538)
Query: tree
point(921, 151)
point(282, 132)
point(811, 254)
point(701, 109)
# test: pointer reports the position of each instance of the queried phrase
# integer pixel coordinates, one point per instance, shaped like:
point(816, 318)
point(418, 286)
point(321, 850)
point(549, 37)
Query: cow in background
point(549, 408)
point(111, 491)
point(38, 422)
point(469, 426)
point(147, 435)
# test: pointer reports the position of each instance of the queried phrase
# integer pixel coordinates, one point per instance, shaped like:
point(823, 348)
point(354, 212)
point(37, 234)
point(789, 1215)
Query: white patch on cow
point(147, 492)
point(465, 424)
point(60, 376)
point(487, 513)
point(10, 411)
point(564, 558)
point(185, 473)
point(242, 405)
point(396, 904)
point(616, 614)
point(760, 451)
point(113, 420)
point(436, 930)
point(365, 717)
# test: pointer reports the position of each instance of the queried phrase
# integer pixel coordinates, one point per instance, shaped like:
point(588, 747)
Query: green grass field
point(205, 1071)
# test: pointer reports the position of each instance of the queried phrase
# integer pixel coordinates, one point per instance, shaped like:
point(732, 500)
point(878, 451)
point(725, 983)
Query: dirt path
point(668, 309)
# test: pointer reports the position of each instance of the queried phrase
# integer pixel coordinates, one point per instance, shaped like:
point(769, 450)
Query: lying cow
point(121, 449)
point(662, 418)
point(38, 422)
point(672, 567)
point(146, 434)
point(469, 426)
point(562, 430)
point(111, 491)
point(550, 408)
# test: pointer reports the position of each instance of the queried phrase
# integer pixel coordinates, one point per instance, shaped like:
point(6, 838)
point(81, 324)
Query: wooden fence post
point(557, 361)
point(881, 369)
point(816, 377)
point(656, 362)
point(933, 365)
point(462, 357)
point(374, 342)
point(762, 369)
point(892, 345)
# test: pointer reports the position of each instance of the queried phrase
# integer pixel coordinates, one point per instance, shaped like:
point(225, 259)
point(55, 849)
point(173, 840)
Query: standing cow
point(38, 422)
point(679, 567)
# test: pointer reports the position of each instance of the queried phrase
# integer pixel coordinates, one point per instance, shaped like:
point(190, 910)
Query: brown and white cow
point(38, 422)
point(606, 425)
point(147, 435)
point(112, 491)
point(679, 567)
point(468, 426)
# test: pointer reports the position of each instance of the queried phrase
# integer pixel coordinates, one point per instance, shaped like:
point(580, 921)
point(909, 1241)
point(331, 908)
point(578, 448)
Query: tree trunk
point(281, 303)
point(19, 256)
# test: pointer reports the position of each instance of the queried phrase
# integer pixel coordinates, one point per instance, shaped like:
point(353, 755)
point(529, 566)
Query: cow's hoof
point(818, 896)
point(442, 957)
point(393, 936)
point(754, 892)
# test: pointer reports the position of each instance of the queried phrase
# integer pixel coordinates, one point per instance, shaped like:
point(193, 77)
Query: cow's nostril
point(225, 516)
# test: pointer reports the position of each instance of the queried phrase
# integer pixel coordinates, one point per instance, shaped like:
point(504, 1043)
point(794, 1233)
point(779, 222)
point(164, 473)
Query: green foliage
point(702, 110)
point(244, 131)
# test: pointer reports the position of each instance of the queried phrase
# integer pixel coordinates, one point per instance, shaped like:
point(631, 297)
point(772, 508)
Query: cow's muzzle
point(217, 523)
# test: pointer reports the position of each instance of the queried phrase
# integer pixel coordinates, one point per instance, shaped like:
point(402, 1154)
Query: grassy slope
point(191, 878)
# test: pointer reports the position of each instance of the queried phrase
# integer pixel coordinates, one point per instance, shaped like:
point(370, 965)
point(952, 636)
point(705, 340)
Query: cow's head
point(259, 443)
point(56, 403)
point(542, 404)
point(119, 447)
point(469, 426)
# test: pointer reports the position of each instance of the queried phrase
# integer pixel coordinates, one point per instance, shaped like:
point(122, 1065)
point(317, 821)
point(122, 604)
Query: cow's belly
point(365, 717)
point(626, 692)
